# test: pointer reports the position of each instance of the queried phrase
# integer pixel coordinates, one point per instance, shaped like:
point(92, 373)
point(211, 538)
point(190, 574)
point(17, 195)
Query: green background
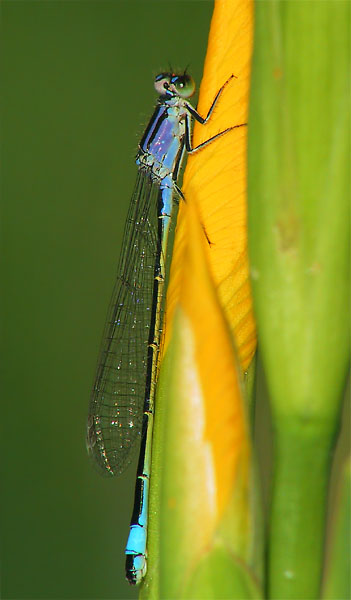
point(77, 95)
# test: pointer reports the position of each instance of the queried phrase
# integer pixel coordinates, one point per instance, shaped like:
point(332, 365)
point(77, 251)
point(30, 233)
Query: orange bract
point(215, 366)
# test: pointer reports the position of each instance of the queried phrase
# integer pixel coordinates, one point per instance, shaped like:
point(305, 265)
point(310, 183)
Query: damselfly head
point(171, 84)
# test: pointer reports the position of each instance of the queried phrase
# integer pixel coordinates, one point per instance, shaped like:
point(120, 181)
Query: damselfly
point(123, 398)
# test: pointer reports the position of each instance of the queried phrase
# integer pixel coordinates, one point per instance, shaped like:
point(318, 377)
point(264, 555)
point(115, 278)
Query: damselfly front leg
point(193, 112)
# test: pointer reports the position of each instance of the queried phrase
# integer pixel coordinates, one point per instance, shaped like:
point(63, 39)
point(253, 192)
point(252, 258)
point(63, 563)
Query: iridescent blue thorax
point(161, 147)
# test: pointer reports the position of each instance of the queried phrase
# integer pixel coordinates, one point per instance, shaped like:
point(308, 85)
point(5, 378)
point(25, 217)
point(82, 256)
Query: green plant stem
point(298, 165)
point(298, 510)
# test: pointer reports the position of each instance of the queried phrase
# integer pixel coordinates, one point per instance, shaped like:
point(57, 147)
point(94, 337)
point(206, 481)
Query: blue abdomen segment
point(136, 544)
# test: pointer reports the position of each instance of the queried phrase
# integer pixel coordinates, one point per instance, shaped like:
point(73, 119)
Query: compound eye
point(161, 83)
point(185, 85)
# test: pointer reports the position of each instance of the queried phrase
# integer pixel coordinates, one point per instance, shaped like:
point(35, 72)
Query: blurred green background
point(77, 95)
